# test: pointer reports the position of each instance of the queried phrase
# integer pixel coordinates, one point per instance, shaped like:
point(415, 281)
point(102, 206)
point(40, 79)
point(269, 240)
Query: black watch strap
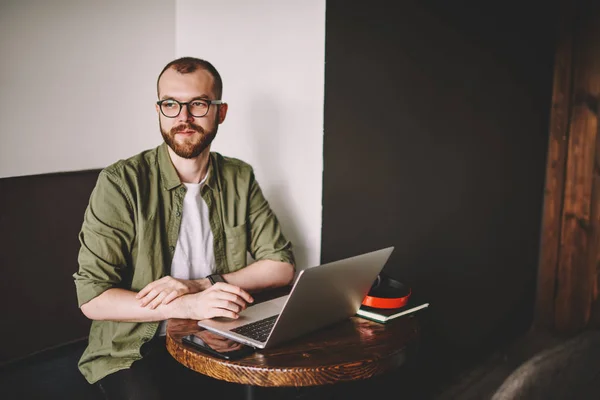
point(214, 278)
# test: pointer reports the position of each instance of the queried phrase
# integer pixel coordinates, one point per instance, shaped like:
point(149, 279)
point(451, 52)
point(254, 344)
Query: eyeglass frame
point(187, 105)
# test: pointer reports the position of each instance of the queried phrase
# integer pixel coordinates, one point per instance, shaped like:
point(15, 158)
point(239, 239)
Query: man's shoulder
point(136, 165)
point(231, 164)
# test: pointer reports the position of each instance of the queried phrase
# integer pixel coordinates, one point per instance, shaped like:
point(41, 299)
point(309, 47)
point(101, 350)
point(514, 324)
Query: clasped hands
point(201, 302)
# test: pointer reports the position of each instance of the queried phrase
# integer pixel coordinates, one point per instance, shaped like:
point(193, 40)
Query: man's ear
point(222, 112)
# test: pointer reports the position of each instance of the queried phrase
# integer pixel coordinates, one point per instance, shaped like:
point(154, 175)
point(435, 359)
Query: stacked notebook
point(384, 315)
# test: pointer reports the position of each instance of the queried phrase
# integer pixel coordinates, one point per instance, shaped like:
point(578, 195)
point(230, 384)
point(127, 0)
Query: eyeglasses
point(198, 108)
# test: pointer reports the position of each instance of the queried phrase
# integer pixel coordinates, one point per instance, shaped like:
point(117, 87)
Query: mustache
point(187, 127)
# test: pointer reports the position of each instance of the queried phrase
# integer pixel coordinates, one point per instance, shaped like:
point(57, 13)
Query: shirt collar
point(169, 173)
point(211, 180)
point(167, 169)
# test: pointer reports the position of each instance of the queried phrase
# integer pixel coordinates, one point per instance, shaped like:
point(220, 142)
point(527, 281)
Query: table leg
point(249, 392)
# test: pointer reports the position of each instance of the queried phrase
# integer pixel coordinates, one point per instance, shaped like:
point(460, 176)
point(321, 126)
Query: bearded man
point(166, 235)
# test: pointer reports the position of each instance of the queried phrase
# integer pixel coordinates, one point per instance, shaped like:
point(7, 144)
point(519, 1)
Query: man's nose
point(185, 115)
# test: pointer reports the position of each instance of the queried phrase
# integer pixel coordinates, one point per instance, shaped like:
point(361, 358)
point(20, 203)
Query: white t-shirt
point(194, 256)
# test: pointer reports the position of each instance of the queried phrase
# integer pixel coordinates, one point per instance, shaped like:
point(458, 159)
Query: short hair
point(187, 65)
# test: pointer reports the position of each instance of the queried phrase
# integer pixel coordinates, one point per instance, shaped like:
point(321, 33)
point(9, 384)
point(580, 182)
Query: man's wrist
point(172, 310)
point(215, 278)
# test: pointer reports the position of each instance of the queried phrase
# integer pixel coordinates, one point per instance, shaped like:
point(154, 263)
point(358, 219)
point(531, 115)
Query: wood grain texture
point(555, 171)
point(593, 261)
point(350, 350)
point(567, 297)
point(575, 274)
point(592, 59)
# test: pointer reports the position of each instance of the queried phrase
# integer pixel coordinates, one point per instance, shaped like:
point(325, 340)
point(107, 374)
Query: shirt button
point(178, 214)
point(172, 248)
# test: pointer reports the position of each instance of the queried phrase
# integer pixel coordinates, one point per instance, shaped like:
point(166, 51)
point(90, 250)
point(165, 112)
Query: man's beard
point(191, 147)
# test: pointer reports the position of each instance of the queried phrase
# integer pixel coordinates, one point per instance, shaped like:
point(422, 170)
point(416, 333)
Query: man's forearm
point(122, 305)
point(263, 274)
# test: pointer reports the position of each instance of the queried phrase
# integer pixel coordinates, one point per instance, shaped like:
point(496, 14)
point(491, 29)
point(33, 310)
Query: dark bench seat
point(50, 374)
point(43, 331)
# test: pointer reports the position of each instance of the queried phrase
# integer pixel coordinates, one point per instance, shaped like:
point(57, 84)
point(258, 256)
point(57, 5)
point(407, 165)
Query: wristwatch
point(214, 278)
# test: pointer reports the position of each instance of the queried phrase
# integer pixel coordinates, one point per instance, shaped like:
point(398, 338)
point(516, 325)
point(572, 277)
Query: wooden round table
point(350, 350)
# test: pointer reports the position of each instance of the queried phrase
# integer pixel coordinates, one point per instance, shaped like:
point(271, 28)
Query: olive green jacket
point(130, 231)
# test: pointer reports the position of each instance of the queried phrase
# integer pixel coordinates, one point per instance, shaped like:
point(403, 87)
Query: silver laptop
point(321, 296)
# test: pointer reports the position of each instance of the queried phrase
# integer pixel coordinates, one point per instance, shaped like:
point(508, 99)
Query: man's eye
point(198, 103)
point(169, 104)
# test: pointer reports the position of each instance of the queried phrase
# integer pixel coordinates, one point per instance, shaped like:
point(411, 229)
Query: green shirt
point(130, 231)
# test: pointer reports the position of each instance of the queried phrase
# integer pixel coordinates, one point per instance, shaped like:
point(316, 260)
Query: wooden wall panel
point(553, 191)
point(567, 285)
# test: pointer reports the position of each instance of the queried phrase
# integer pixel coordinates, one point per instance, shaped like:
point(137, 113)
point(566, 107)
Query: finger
point(238, 291)
point(230, 297)
point(231, 306)
point(221, 312)
point(149, 297)
point(145, 290)
point(171, 296)
point(157, 300)
point(154, 285)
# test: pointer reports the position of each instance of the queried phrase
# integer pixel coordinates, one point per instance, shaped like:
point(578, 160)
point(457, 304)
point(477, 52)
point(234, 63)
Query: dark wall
point(436, 127)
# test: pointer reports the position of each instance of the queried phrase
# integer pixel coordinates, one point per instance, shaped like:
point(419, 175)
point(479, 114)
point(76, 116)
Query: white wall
point(271, 56)
point(77, 89)
point(77, 81)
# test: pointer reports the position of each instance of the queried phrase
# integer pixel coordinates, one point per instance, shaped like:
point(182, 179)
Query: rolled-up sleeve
point(267, 240)
point(106, 238)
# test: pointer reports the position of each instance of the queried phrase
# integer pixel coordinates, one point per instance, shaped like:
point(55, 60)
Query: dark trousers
point(159, 376)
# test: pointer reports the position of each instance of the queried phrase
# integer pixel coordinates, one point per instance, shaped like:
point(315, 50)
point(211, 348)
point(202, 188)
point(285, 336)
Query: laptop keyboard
point(258, 330)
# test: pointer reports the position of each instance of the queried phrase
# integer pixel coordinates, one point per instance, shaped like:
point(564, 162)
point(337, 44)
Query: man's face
point(186, 135)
